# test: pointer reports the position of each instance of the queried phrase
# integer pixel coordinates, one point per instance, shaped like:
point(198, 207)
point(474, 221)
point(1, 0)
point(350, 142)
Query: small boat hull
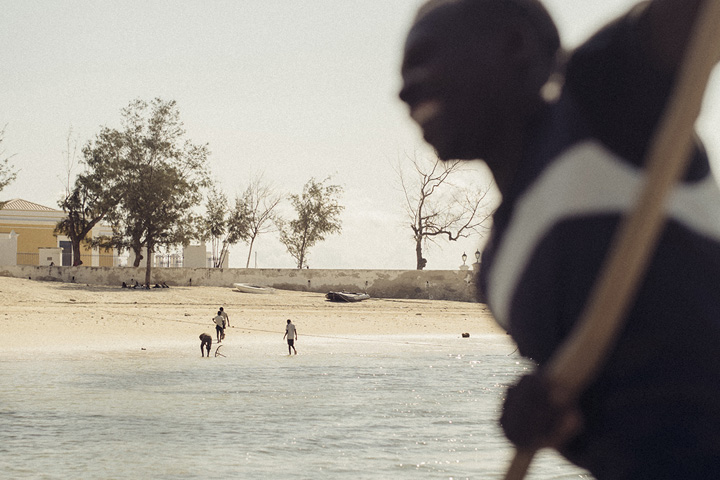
point(346, 296)
point(248, 288)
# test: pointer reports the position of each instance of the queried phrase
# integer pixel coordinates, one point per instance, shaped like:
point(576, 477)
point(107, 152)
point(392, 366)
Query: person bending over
point(206, 343)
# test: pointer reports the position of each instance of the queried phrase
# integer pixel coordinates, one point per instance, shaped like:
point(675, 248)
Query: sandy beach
point(53, 316)
point(103, 382)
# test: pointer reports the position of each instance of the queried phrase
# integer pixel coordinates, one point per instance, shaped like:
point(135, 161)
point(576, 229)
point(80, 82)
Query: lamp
point(477, 256)
point(464, 257)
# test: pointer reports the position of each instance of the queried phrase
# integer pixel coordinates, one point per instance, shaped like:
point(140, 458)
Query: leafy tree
point(318, 215)
point(238, 226)
point(7, 171)
point(214, 224)
point(252, 215)
point(438, 208)
point(85, 206)
point(162, 174)
point(223, 226)
point(90, 198)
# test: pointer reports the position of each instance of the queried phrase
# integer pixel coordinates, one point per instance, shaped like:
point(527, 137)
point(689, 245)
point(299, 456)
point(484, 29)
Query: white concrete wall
point(195, 256)
point(433, 284)
point(8, 248)
point(50, 255)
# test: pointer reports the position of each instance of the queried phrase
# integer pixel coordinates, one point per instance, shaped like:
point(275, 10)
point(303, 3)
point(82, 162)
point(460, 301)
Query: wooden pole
point(584, 352)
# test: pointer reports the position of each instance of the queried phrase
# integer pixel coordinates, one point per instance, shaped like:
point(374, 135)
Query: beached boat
point(346, 296)
point(247, 288)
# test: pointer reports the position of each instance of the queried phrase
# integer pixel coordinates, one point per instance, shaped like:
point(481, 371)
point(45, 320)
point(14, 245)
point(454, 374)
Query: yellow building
point(30, 229)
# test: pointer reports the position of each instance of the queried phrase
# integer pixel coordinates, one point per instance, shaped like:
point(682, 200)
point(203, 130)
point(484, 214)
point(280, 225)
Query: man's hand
point(531, 418)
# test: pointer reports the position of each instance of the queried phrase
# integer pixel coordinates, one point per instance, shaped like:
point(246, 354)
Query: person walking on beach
point(480, 79)
point(219, 326)
point(225, 316)
point(291, 334)
point(205, 341)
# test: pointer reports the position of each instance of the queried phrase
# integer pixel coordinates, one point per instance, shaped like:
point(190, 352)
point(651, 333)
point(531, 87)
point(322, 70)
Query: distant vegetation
point(147, 180)
point(143, 179)
point(318, 215)
point(252, 215)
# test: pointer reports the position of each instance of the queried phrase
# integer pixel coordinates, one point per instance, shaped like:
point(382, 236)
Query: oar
point(583, 353)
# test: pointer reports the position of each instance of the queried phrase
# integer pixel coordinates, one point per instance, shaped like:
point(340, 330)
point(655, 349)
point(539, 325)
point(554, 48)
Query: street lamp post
point(463, 266)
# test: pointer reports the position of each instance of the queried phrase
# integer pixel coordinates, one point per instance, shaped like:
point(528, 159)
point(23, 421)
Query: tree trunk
point(138, 256)
point(303, 249)
point(252, 240)
point(420, 261)
point(223, 254)
point(148, 267)
point(76, 252)
point(216, 256)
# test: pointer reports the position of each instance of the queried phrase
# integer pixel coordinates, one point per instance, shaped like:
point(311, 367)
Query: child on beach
point(291, 334)
point(219, 326)
point(225, 316)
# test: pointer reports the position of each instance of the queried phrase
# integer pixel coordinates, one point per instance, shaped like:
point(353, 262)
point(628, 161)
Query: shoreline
point(60, 317)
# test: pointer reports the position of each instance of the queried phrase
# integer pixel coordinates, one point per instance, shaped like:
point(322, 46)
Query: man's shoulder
point(617, 89)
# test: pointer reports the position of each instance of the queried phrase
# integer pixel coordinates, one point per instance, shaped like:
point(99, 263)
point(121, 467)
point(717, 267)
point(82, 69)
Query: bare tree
point(259, 202)
point(70, 158)
point(252, 215)
point(438, 208)
point(7, 170)
point(88, 198)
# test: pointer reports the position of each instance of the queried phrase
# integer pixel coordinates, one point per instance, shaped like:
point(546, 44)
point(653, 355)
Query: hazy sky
point(291, 89)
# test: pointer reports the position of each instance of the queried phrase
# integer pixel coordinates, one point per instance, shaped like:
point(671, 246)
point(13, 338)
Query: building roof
point(25, 206)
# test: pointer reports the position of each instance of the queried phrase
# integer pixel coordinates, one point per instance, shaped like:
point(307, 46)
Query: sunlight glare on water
point(350, 407)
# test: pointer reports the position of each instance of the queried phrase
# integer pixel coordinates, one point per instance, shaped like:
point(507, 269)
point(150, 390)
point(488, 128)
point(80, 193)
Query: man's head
point(473, 68)
point(288, 320)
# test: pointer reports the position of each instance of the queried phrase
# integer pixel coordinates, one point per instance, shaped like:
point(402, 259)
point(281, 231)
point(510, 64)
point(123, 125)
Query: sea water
point(353, 407)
